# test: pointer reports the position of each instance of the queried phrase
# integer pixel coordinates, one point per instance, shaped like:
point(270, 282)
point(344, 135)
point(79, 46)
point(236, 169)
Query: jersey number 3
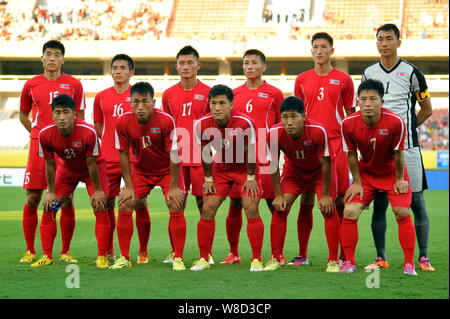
point(321, 94)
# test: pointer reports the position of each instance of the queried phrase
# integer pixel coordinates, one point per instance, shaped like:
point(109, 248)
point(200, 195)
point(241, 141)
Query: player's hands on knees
point(175, 197)
point(326, 205)
point(50, 197)
point(251, 188)
point(125, 194)
point(209, 188)
point(352, 191)
point(279, 203)
point(401, 186)
point(98, 200)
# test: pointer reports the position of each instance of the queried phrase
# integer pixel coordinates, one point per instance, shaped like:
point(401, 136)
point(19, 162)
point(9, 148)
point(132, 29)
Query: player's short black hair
point(322, 35)
point(124, 57)
point(255, 52)
point(292, 103)
point(220, 89)
point(188, 50)
point(54, 44)
point(63, 100)
point(389, 27)
point(371, 85)
point(142, 88)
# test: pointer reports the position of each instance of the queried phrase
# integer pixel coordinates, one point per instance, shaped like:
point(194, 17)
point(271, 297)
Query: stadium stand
point(425, 19)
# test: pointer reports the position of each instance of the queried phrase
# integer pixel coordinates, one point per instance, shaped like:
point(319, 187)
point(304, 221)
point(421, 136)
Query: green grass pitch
point(159, 281)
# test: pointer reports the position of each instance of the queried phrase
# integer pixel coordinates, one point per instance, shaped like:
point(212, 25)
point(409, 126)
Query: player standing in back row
point(404, 85)
point(327, 93)
point(186, 102)
point(37, 97)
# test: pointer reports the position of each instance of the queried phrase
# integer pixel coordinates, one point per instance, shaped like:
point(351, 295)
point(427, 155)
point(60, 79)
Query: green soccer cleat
point(200, 264)
point(43, 261)
point(27, 257)
point(332, 266)
point(178, 264)
point(120, 263)
point(68, 257)
point(256, 265)
point(272, 264)
point(169, 259)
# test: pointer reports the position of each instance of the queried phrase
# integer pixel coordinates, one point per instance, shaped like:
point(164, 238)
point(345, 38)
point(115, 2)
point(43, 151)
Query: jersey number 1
point(187, 107)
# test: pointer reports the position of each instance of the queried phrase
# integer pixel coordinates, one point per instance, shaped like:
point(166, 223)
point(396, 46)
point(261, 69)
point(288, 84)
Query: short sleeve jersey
point(404, 86)
point(262, 105)
point(325, 97)
point(377, 144)
point(108, 106)
point(71, 150)
point(37, 96)
point(186, 106)
point(150, 143)
point(228, 142)
point(303, 154)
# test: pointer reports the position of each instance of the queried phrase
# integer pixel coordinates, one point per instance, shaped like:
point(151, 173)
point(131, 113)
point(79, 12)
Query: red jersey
point(72, 150)
point(37, 96)
point(108, 106)
point(151, 143)
point(262, 105)
point(229, 141)
point(377, 143)
point(186, 106)
point(303, 154)
point(326, 97)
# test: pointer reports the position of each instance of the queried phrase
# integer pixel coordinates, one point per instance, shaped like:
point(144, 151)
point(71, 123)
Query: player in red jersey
point(379, 135)
point(109, 104)
point(36, 98)
point(152, 136)
point(261, 102)
point(307, 169)
point(232, 135)
point(76, 146)
point(327, 93)
point(187, 101)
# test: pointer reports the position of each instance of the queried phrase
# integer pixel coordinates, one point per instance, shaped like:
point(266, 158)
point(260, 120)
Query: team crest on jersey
point(199, 97)
point(383, 131)
point(334, 82)
point(400, 73)
point(307, 142)
point(263, 95)
point(64, 86)
point(155, 130)
point(76, 144)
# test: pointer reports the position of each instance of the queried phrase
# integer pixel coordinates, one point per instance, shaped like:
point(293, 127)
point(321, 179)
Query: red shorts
point(35, 173)
point(293, 181)
point(144, 183)
point(230, 183)
point(194, 175)
point(114, 177)
point(66, 182)
point(340, 161)
point(266, 188)
point(372, 184)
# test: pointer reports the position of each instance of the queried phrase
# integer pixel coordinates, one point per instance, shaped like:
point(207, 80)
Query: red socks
point(278, 232)
point(304, 227)
point(125, 232)
point(332, 229)
point(29, 224)
point(407, 237)
point(67, 225)
point(349, 238)
point(255, 233)
point(112, 221)
point(48, 233)
point(233, 226)
point(205, 234)
point(102, 231)
point(177, 231)
point(143, 225)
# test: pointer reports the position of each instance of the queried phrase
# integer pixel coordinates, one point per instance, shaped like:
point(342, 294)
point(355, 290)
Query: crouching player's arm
point(401, 186)
point(98, 198)
point(326, 203)
point(128, 191)
point(208, 186)
point(175, 196)
point(50, 172)
point(356, 187)
point(250, 185)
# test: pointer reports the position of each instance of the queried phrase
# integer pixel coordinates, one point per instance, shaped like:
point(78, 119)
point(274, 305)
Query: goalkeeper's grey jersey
point(404, 85)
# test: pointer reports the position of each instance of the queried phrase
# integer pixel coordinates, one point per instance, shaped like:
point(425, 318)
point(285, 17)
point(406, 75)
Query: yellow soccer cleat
point(210, 259)
point(200, 264)
point(68, 257)
point(256, 265)
point(27, 257)
point(142, 258)
point(272, 264)
point(169, 259)
point(120, 263)
point(102, 262)
point(43, 261)
point(178, 264)
point(332, 266)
